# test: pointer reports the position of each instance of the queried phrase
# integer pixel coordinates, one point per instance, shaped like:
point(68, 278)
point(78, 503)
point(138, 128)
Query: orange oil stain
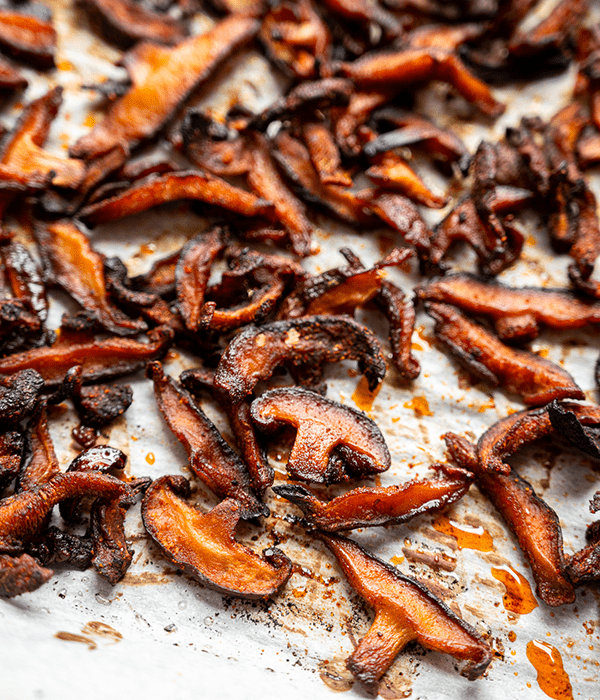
point(512, 636)
point(150, 458)
point(89, 121)
point(519, 597)
point(427, 337)
point(419, 405)
point(64, 65)
point(396, 560)
point(543, 352)
point(362, 397)
point(416, 346)
point(466, 536)
point(551, 675)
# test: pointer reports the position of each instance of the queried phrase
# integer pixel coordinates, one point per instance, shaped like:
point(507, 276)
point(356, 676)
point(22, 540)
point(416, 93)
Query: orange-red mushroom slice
point(204, 546)
point(405, 611)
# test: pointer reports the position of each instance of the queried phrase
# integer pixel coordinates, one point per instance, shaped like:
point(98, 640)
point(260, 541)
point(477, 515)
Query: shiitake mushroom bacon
point(204, 545)
point(405, 611)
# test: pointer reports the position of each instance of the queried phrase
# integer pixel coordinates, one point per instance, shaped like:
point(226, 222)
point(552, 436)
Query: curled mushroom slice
point(405, 611)
point(367, 507)
point(192, 273)
point(99, 359)
point(23, 152)
point(183, 184)
point(398, 68)
point(29, 38)
point(506, 436)
point(211, 459)
point(533, 522)
point(40, 463)
point(322, 426)
point(204, 546)
point(584, 565)
point(163, 78)
point(516, 313)
point(258, 350)
point(22, 514)
point(124, 22)
point(73, 263)
point(537, 380)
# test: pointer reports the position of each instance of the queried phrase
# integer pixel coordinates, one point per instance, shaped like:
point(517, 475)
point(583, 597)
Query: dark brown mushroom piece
point(20, 395)
point(203, 545)
point(40, 463)
point(405, 611)
point(28, 38)
point(124, 22)
point(11, 453)
point(210, 457)
point(21, 574)
point(99, 359)
point(537, 380)
point(517, 313)
point(323, 426)
point(533, 522)
point(258, 350)
point(370, 506)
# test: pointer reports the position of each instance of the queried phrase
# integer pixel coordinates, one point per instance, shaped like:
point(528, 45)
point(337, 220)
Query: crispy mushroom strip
point(192, 272)
point(306, 97)
point(325, 154)
point(568, 425)
point(365, 12)
point(258, 350)
point(535, 379)
point(28, 38)
point(405, 611)
point(99, 359)
point(517, 313)
point(322, 426)
point(533, 522)
point(210, 457)
point(403, 67)
point(163, 78)
point(204, 546)
point(24, 513)
point(40, 463)
point(507, 435)
point(584, 565)
point(124, 22)
point(184, 184)
point(367, 507)
point(413, 129)
point(266, 182)
point(23, 152)
point(72, 262)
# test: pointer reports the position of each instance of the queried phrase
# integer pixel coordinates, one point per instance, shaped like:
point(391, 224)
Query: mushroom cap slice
point(204, 546)
point(323, 426)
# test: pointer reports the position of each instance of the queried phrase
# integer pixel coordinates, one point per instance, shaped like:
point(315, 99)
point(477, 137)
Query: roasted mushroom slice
point(99, 359)
point(211, 459)
point(183, 184)
point(367, 507)
point(192, 272)
point(535, 379)
point(124, 22)
point(23, 152)
point(325, 154)
point(40, 463)
point(72, 263)
point(20, 575)
point(405, 611)
point(28, 38)
point(204, 546)
point(517, 313)
point(101, 404)
point(163, 78)
point(507, 435)
point(258, 350)
point(533, 522)
point(322, 426)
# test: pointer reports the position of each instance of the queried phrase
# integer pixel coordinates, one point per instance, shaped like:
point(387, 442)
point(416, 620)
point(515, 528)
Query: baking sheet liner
point(159, 634)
